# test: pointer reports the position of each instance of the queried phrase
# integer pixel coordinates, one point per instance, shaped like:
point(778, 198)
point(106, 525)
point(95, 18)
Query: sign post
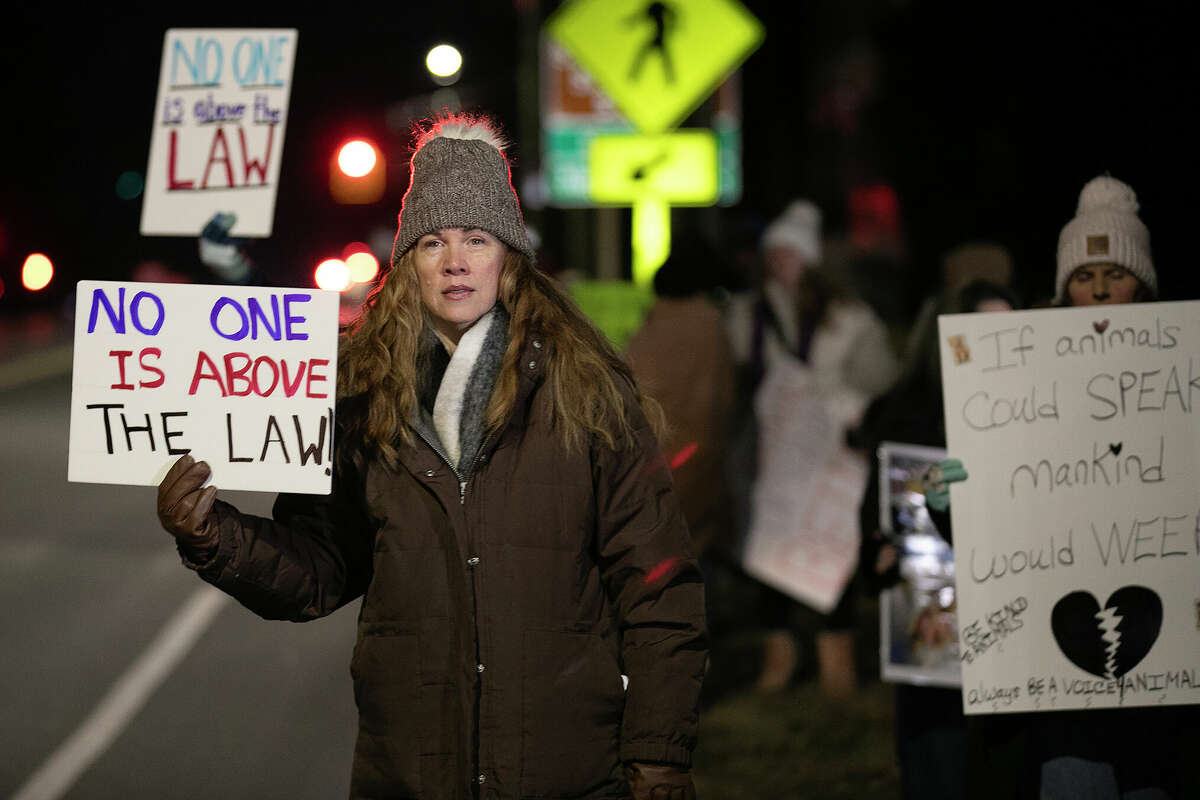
point(657, 62)
point(652, 173)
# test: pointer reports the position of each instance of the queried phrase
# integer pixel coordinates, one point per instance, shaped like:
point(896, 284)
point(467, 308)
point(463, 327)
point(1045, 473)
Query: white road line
point(127, 696)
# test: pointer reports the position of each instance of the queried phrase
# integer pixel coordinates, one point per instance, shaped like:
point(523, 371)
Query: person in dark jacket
point(930, 729)
point(532, 622)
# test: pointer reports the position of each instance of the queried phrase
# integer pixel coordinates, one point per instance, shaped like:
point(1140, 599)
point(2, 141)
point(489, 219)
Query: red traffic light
point(357, 173)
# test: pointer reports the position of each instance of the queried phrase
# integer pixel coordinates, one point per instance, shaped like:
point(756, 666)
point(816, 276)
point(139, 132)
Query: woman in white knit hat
point(1103, 258)
point(1104, 252)
point(799, 313)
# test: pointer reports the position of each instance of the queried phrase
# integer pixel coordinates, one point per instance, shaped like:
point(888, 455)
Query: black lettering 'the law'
point(229, 439)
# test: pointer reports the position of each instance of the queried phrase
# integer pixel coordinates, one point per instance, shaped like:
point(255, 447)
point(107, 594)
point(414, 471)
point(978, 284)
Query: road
point(123, 675)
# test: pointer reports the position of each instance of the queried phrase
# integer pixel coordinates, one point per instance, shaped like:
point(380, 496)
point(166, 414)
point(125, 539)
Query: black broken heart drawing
point(1086, 633)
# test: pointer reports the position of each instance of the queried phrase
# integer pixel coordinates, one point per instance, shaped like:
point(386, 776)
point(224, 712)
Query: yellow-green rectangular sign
point(681, 168)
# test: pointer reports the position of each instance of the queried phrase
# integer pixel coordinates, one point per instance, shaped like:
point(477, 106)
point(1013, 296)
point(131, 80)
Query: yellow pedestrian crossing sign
point(679, 167)
point(656, 60)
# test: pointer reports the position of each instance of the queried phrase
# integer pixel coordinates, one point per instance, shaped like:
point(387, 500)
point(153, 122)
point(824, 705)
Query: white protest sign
point(242, 377)
point(1077, 532)
point(803, 536)
point(217, 137)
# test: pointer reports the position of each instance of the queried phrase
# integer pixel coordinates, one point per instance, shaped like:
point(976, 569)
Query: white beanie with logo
point(798, 228)
point(1106, 230)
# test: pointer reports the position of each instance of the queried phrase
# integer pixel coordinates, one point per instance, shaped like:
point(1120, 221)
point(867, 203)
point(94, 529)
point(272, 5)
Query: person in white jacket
point(796, 312)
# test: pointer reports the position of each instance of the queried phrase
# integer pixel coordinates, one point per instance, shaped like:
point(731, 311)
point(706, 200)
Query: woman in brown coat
point(532, 622)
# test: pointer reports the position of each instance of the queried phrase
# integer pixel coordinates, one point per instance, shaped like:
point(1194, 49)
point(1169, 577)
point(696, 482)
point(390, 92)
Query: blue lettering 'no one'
point(116, 317)
point(256, 62)
point(277, 324)
point(199, 67)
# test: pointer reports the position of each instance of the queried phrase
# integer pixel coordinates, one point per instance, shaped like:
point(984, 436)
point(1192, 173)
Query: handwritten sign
point(1077, 532)
point(217, 139)
point(803, 536)
point(244, 378)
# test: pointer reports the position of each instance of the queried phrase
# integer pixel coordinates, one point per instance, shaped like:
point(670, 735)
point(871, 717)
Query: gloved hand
point(183, 507)
point(223, 253)
point(937, 480)
point(659, 781)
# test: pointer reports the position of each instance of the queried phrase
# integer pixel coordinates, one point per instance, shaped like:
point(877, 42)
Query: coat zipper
point(462, 484)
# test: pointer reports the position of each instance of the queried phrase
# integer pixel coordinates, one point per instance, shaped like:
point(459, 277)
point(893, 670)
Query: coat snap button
point(473, 561)
point(429, 473)
point(537, 344)
point(481, 778)
point(532, 364)
point(480, 667)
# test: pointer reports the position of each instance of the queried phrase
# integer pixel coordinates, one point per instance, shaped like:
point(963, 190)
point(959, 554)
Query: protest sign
point(243, 378)
point(803, 536)
point(1077, 532)
point(217, 137)
point(918, 630)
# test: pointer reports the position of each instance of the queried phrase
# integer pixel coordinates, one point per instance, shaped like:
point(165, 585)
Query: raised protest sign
point(1077, 532)
point(244, 378)
point(803, 536)
point(217, 136)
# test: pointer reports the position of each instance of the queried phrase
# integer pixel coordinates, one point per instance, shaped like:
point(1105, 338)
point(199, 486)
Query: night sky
point(986, 121)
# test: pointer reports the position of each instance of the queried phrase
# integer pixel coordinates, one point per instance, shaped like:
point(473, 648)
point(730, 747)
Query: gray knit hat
point(460, 178)
point(1106, 230)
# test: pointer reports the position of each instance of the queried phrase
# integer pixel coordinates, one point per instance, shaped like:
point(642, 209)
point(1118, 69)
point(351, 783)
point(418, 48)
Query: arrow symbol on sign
point(640, 172)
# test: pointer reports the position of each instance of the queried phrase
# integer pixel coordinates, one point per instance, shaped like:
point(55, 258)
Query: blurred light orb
point(357, 158)
point(36, 272)
point(443, 61)
point(332, 275)
point(363, 267)
point(130, 185)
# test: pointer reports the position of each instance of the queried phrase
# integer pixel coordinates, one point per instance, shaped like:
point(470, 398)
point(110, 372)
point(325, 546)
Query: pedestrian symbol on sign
point(662, 17)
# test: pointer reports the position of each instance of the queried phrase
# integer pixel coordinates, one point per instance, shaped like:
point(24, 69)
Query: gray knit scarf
point(459, 387)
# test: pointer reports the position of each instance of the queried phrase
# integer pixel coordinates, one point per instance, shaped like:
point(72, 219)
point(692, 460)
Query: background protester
point(930, 729)
point(796, 311)
point(1103, 258)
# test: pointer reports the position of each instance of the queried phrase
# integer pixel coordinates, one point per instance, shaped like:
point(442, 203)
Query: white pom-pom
point(1108, 193)
point(463, 126)
point(804, 214)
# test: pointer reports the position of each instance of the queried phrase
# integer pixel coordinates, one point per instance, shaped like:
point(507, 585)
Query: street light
point(361, 262)
point(444, 63)
point(332, 275)
point(36, 272)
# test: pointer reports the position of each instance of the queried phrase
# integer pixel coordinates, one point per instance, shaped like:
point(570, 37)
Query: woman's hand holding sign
point(183, 506)
point(937, 482)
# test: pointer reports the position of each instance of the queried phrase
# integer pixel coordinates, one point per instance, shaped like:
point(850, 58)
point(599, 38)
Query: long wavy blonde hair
point(381, 362)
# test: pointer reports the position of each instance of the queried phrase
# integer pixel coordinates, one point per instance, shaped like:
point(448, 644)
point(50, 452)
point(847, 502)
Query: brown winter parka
point(501, 608)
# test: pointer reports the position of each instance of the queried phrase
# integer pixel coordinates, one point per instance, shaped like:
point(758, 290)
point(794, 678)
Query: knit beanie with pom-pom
point(1106, 230)
point(460, 178)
